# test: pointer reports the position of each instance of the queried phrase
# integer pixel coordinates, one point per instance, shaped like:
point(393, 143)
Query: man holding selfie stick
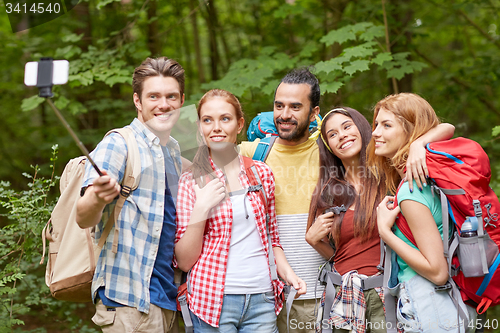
point(133, 285)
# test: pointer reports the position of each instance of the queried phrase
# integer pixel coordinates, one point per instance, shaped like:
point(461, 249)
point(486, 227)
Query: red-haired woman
point(221, 230)
point(400, 120)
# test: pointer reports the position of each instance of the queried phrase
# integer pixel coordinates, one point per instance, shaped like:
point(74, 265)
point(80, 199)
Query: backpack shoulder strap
point(256, 185)
point(130, 182)
point(255, 181)
point(264, 148)
point(133, 167)
point(401, 221)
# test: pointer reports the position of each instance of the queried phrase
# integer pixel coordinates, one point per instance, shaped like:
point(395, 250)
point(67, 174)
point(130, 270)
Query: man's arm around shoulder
point(89, 207)
point(247, 148)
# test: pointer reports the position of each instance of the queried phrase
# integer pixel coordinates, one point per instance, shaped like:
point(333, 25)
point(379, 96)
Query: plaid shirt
point(207, 277)
point(349, 306)
point(127, 274)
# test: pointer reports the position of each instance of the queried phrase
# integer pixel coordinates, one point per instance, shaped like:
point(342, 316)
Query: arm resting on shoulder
point(416, 166)
point(441, 132)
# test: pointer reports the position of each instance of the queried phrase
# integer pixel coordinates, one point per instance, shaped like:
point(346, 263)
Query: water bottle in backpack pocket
point(469, 250)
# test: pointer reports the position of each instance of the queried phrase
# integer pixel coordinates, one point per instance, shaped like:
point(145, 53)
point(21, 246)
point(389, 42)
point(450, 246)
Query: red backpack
point(460, 172)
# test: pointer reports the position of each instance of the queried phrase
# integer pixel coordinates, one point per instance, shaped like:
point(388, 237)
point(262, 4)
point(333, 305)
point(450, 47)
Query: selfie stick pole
point(77, 140)
point(44, 84)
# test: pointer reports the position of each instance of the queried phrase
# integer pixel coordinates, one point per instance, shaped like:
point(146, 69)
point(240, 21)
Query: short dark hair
point(161, 66)
point(304, 75)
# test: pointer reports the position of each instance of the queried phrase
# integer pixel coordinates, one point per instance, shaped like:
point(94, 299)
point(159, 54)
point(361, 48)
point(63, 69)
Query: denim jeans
point(243, 313)
point(421, 308)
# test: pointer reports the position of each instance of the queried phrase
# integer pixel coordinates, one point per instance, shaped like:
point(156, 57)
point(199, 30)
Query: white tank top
point(247, 265)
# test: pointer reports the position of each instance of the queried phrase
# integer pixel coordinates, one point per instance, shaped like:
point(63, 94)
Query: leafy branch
point(27, 211)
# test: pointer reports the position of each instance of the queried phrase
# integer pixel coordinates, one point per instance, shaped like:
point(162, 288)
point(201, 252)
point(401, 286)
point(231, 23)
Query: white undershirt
point(247, 266)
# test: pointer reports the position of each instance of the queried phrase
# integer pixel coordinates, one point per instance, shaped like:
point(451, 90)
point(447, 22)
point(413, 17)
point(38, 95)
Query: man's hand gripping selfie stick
point(44, 84)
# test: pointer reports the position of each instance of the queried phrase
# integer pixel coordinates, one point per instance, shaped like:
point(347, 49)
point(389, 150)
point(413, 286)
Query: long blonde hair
point(417, 117)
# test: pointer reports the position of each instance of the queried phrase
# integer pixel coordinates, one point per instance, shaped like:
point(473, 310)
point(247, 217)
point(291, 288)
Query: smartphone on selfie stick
point(44, 74)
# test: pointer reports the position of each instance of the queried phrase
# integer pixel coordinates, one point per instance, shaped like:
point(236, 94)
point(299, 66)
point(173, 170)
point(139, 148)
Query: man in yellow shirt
point(294, 160)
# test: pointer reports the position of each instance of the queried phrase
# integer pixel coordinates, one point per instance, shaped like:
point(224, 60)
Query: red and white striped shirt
point(207, 278)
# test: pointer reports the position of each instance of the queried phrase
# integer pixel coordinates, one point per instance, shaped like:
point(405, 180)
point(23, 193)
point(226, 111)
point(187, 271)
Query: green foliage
point(247, 74)
point(23, 293)
point(365, 30)
point(27, 210)
point(495, 131)
point(31, 103)
point(402, 66)
point(102, 3)
point(246, 47)
point(357, 57)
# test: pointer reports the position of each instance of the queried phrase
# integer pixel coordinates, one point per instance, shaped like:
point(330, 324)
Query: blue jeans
point(243, 313)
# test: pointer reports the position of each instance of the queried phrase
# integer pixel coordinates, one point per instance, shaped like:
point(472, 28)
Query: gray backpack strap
point(380, 265)
point(271, 143)
point(446, 226)
point(264, 148)
point(186, 317)
point(183, 302)
point(272, 262)
point(289, 301)
point(481, 235)
point(332, 279)
point(389, 300)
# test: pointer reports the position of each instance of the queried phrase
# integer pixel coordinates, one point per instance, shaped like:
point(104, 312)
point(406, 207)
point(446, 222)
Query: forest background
point(448, 51)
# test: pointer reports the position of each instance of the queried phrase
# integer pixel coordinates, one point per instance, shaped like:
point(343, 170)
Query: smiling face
point(159, 105)
point(343, 137)
point(292, 114)
point(388, 135)
point(219, 122)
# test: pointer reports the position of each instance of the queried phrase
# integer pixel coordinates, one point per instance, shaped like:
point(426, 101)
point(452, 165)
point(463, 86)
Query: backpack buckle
point(445, 286)
point(254, 188)
point(477, 208)
point(182, 299)
point(125, 191)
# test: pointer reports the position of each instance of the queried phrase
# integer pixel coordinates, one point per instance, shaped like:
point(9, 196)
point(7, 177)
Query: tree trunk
point(196, 36)
point(212, 34)
point(152, 34)
point(89, 120)
point(333, 14)
point(401, 12)
point(233, 24)
point(187, 63)
point(221, 35)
